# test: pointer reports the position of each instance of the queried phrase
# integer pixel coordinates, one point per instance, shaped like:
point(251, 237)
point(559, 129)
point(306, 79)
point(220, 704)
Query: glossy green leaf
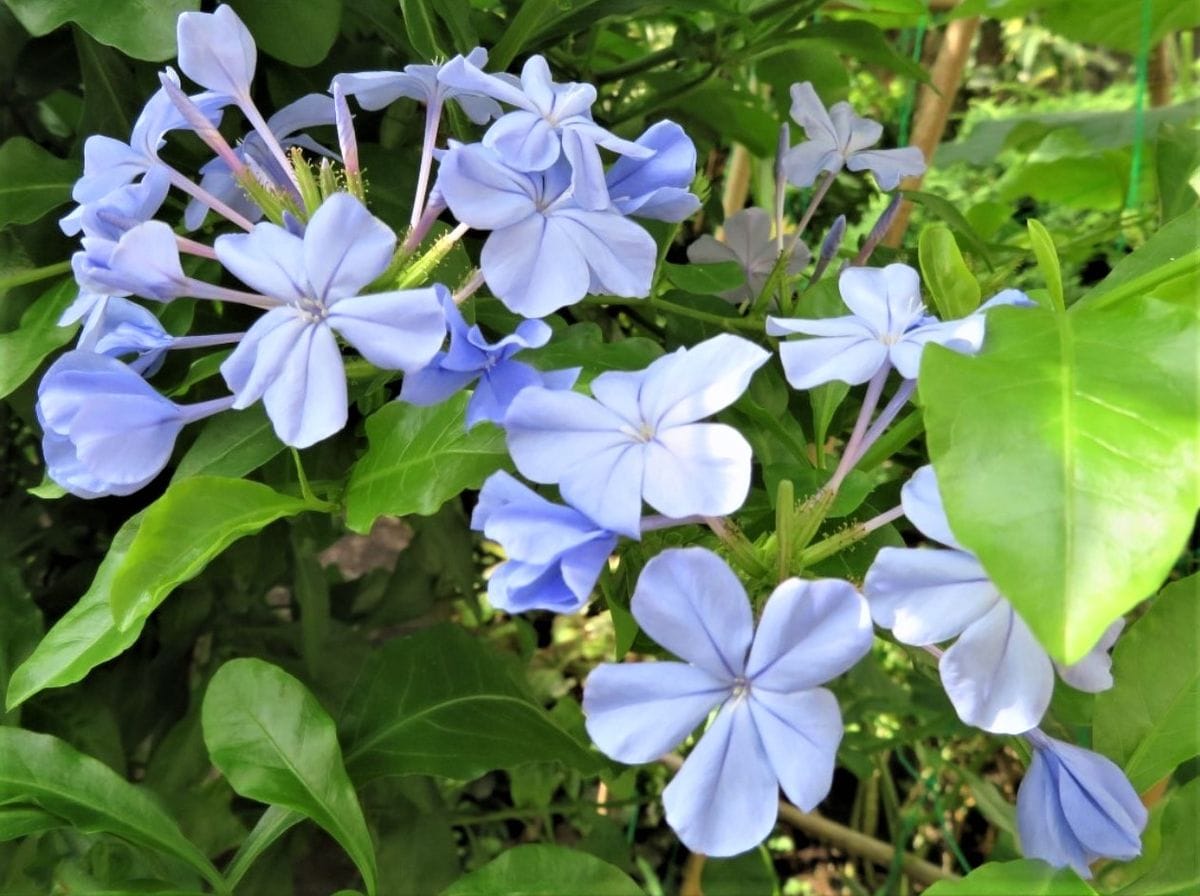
point(1166, 267)
point(21, 821)
point(1025, 877)
point(274, 743)
point(296, 33)
point(45, 771)
point(419, 458)
point(1176, 871)
point(84, 637)
point(955, 219)
point(24, 349)
point(545, 871)
point(1047, 258)
point(111, 96)
point(706, 279)
point(1149, 721)
point(442, 703)
point(1116, 24)
point(232, 445)
point(421, 25)
point(518, 31)
point(183, 530)
point(142, 30)
point(32, 181)
point(1067, 454)
point(272, 825)
point(950, 283)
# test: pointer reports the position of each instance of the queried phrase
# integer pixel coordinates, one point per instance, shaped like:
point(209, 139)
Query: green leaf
point(419, 458)
point(1175, 871)
point(954, 289)
point(1166, 267)
point(1176, 161)
point(21, 821)
point(142, 30)
point(272, 825)
point(86, 636)
point(950, 214)
point(299, 34)
point(231, 445)
point(1025, 877)
point(441, 703)
point(182, 531)
point(1047, 258)
point(545, 871)
point(519, 30)
point(24, 349)
point(1116, 24)
point(1067, 455)
point(422, 29)
point(583, 345)
point(111, 96)
point(862, 40)
point(32, 181)
point(1149, 721)
point(39, 769)
point(706, 279)
point(270, 737)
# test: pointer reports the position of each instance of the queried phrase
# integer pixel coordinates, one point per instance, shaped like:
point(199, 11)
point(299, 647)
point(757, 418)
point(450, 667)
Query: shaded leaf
point(32, 181)
point(545, 871)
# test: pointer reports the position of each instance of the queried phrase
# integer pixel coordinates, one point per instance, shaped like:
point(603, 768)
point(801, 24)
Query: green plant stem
point(892, 441)
point(849, 839)
point(839, 541)
point(33, 275)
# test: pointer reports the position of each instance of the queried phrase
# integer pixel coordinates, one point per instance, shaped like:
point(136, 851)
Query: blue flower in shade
point(774, 727)
point(555, 553)
point(309, 111)
point(889, 326)
point(217, 51)
point(638, 438)
point(544, 251)
point(107, 431)
point(471, 357)
point(122, 209)
point(748, 241)
point(118, 328)
point(657, 187)
point(143, 262)
point(290, 358)
point(839, 139)
point(1075, 806)
point(551, 121)
point(375, 90)
point(997, 675)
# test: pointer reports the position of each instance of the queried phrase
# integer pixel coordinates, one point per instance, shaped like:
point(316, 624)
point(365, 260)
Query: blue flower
point(309, 111)
point(555, 553)
point(118, 327)
point(290, 357)
point(838, 139)
point(124, 208)
point(1075, 806)
point(657, 187)
point(472, 357)
point(217, 51)
point(997, 675)
point(107, 431)
point(550, 121)
point(144, 261)
point(775, 725)
point(748, 241)
point(638, 437)
point(545, 251)
point(375, 90)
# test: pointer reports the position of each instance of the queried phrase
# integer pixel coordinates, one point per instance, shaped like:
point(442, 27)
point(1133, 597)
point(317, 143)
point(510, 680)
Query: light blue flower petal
point(517, 587)
point(800, 733)
point(433, 384)
point(1042, 826)
point(886, 299)
point(551, 433)
point(927, 596)
point(1093, 673)
point(620, 391)
point(530, 528)
point(482, 191)
point(725, 799)
point(307, 400)
point(608, 486)
point(809, 112)
point(657, 187)
point(997, 675)
point(803, 163)
point(581, 567)
point(888, 165)
point(146, 262)
point(620, 253)
point(345, 248)
point(1099, 803)
point(108, 165)
point(690, 602)
point(399, 330)
point(849, 325)
point(121, 438)
point(698, 468)
point(811, 631)
point(694, 383)
point(534, 267)
point(922, 502)
point(496, 390)
point(259, 357)
point(639, 711)
point(375, 90)
point(464, 74)
point(854, 133)
point(217, 51)
point(524, 140)
point(851, 359)
point(267, 259)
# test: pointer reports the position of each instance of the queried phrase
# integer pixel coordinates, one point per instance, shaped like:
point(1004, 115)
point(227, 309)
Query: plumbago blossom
point(775, 726)
point(997, 675)
point(748, 241)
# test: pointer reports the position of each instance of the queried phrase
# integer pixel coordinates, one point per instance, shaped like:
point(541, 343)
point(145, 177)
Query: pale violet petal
point(889, 166)
point(267, 259)
point(307, 401)
point(851, 359)
point(800, 732)
point(1093, 673)
point(482, 191)
point(922, 503)
point(534, 267)
point(393, 330)
point(694, 383)
point(697, 468)
point(345, 248)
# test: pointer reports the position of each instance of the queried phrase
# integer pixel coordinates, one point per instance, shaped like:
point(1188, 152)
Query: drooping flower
point(143, 262)
point(375, 90)
point(550, 121)
point(107, 431)
point(1075, 806)
point(471, 357)
point(997, 675)
point(638, 438)
point(748, 241)
point(118, 328)
point(289, 358)
point(775, 725)
point(217, 51)
point(544, 251)
point(838, 139)
point(657, 187)
point(554, 553)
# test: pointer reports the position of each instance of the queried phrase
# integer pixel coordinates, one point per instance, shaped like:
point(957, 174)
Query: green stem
point(851, 535)
point(33, 275)
point(892, 441)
